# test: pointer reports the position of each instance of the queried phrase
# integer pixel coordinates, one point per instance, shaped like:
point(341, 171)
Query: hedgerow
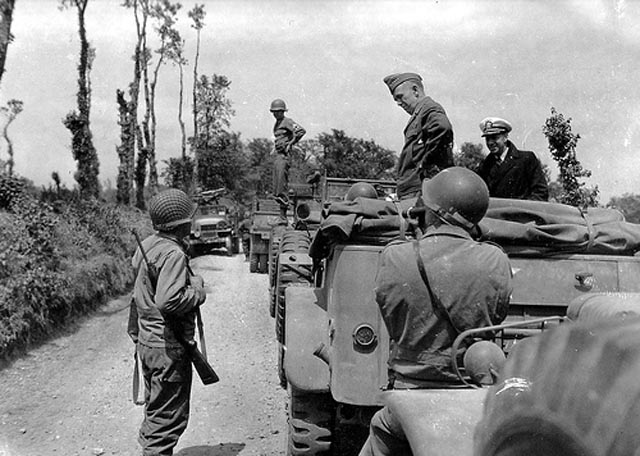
point(60, 258)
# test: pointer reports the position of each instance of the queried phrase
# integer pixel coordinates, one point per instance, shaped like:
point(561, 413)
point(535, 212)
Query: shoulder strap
point(438, 307)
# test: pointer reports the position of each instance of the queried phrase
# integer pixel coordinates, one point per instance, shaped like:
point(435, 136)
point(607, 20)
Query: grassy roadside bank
point(60, 258)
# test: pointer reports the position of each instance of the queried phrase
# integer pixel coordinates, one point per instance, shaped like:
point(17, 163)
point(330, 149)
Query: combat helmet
point(278, 105)
point(361, 190)
point(170, 208)
point(483, 362)
point(457, 195)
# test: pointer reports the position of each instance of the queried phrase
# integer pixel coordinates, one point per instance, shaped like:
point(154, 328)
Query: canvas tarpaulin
point(519, 226)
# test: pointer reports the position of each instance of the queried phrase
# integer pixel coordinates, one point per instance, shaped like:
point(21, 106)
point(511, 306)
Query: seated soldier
point(431, 289)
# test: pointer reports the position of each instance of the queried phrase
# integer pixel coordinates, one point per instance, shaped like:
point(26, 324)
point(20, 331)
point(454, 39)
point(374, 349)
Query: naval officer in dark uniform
point(507, 171)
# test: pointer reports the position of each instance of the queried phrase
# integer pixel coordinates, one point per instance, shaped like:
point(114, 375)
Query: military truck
point(265, 215)
point(215, 223)
point(335, 344)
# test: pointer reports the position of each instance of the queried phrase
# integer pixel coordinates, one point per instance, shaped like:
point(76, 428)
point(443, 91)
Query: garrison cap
point(394, 80)
point(494, 126)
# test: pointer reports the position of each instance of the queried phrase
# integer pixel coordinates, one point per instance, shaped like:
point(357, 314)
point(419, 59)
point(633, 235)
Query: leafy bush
point(58, 260)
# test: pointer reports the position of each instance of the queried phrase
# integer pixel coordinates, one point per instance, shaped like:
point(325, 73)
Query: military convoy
point(334, 344)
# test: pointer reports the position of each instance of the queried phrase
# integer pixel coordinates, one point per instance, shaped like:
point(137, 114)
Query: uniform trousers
point(386, 437)
point(167, 379)
point(280, 174)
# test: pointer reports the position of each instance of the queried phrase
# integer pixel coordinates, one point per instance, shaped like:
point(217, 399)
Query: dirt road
point(72, 396)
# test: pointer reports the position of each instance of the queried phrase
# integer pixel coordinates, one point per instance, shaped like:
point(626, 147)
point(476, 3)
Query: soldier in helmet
point(428, 136)
point(286, 134)
point(431, 289)
point(166, 298)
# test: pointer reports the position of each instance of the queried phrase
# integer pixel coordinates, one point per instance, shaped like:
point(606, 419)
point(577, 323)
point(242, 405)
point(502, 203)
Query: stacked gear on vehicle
point(335, 344)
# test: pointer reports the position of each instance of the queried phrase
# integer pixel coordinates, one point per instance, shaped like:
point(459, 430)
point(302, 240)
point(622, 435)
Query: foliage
point(59, 258)
point(179, 173)
point(469, 156)
point(11, 187)
point(213, 108)
point(259, 165)
point(6, 15)
point(343, 156)
point(562, 145)
point(222, 163)
point(628, 204)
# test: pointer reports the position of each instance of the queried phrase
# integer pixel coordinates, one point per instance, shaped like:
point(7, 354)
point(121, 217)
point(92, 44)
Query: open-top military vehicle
point(335, 344)
point(215, 223)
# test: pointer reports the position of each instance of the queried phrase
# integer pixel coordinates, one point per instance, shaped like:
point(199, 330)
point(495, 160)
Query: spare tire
point(572, 391)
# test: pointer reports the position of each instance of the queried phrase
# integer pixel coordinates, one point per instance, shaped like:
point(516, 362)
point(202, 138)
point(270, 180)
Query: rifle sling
point(438, 307)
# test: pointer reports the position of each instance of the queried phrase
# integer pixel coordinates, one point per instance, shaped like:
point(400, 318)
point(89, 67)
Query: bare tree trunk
point(180, 121)
point(128, 111)
point(6, 14)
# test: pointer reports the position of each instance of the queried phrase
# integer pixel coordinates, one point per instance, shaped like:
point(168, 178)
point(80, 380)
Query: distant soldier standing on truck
point(428, 136)
point(286, 134)
point(508, 171)
point(433, 288)
point(166, 296)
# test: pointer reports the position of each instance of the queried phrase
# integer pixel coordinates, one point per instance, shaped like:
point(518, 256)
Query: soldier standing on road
point(166, 303)
point(431, 289)
point(507, 171)
point(245, 234)
point(286, 134)
point(428, 136)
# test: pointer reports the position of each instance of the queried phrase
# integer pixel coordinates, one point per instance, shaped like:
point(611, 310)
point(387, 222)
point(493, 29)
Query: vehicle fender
point(306, 330)
point(438, 421)
point(600, 306)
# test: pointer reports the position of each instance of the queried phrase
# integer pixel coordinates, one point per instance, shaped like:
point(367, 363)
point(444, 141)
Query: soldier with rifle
point(166, 299)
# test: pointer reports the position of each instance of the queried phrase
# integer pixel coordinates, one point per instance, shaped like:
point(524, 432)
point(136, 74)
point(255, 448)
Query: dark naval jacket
point(519, 176)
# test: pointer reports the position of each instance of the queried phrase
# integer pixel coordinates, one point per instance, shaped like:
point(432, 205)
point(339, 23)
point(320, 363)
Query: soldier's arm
point(437, 133)
point(298, 133)
point(175, 294)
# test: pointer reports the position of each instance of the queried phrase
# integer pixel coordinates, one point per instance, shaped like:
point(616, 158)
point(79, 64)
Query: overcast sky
point(512, 59)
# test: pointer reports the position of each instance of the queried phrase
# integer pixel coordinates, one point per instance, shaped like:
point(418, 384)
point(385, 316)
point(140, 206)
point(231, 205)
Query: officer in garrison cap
point(428, 136)
point(507, 171)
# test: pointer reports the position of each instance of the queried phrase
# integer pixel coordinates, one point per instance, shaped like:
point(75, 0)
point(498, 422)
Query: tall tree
point(197, 15)
point(6, 15)
point(213, 115)
point(348, 157)
point(562, 145)
point(13, 108)
point(164, 13)
point(128, 109)
point(78, 122)
point(176, 55)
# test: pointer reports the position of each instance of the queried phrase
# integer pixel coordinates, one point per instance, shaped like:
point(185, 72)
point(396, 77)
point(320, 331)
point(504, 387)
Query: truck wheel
point(310, 424)
point(253, 263)
point(570, 391)
point(292, 242)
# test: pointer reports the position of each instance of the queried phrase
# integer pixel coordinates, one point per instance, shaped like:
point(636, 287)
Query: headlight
point(222, 225)
point(364, 335)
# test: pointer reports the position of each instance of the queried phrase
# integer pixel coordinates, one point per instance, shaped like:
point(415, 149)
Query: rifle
point(205, 371)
